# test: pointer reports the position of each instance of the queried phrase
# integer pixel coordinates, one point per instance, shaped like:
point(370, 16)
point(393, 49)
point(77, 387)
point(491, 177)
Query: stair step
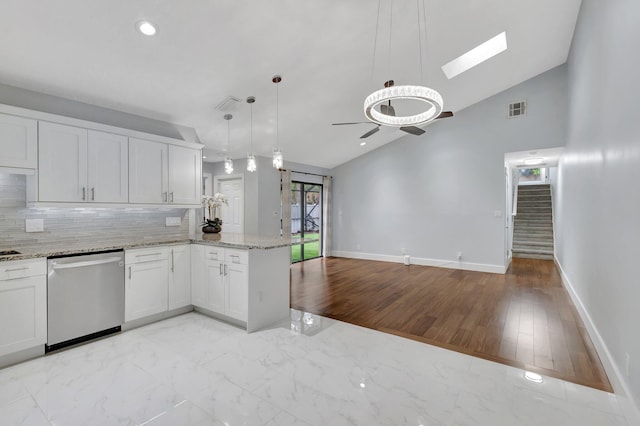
point(536, 250)
point(534, 202)
point(533, 256)
point(525, 235)
point(523, 239)
point(532, 244)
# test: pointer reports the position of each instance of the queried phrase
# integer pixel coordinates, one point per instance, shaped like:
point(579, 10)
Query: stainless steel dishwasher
point(85, 297)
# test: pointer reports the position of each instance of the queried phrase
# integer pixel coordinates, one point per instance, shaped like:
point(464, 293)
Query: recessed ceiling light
point(204, 156)
point(363, 143)
point(533, 161)
point(475, 56)
point(532, 377)
point(147, 28)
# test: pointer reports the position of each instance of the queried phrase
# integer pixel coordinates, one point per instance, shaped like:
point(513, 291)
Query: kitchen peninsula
point(240, 279)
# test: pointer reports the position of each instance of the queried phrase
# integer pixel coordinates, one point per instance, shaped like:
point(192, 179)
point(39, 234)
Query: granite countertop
point(241, 241)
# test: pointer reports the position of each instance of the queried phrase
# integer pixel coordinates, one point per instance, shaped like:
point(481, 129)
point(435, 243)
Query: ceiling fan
point(388, 110)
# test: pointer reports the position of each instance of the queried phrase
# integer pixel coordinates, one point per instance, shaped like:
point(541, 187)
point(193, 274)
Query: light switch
point(34, 225)
point(497, 213)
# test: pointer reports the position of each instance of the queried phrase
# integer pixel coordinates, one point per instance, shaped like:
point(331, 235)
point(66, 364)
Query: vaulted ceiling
point(206, 50)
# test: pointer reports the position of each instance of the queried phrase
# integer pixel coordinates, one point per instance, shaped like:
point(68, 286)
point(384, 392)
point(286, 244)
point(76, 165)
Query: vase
point(212, 226)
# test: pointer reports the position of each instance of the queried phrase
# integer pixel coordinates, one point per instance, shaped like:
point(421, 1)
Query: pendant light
point(228, 162)
point(251, 159)
point(278, 159)
point(381, 98)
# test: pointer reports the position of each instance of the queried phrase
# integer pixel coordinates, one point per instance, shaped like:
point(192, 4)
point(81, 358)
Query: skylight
point(475, 56)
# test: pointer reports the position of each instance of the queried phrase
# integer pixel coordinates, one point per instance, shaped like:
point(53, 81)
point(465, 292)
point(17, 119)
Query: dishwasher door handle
point(87, 263)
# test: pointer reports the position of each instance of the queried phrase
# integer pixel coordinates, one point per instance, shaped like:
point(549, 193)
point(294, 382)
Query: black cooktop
point(8, 252)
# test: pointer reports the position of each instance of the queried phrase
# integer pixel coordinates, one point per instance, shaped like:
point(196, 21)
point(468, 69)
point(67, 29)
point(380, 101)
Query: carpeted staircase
point(533, 229)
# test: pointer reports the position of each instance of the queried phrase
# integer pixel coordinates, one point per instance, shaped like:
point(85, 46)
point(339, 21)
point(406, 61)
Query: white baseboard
point(451, 264)
point(619, 384)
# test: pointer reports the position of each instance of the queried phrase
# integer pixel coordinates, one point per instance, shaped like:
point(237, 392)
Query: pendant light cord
point(375, 47)
point(251, 127)
point(277, 117)
point(420, 41)
point(390, 32)
point(426, 37)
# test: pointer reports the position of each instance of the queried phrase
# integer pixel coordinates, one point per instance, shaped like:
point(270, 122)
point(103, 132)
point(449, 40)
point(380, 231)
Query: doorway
point(306, 220)
point(232, 215)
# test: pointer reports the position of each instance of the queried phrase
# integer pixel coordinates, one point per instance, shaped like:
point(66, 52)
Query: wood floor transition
point(523, 318)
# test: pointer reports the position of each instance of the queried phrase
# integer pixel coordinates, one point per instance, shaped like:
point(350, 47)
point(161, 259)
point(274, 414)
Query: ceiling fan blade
point(444, 114)
point(412, 130)
point(355, 122)
point(370, 132)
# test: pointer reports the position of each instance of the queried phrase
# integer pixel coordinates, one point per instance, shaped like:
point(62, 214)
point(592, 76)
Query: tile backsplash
point(73, 224)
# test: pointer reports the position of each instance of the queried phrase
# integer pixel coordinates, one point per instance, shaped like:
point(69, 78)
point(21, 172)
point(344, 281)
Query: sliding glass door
point(306, 220)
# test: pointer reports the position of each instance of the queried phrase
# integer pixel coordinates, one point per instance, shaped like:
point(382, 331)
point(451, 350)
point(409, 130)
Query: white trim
point(619, 384)
point(18, 171)
point(440, 263)
point(60, 119)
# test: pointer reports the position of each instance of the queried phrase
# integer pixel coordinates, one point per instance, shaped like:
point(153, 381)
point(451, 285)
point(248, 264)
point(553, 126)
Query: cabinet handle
point(225, 269)
point(129, 272)
point(150, 254)
point(164, 197)
point(93, 194)
point(15, 269)
point(171, 197)
point(221, 269)
point(172, 261)
point(84, 193)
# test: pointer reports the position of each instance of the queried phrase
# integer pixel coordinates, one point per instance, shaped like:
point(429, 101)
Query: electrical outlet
point(403, 250)
point(357, 246)
point(627, 364)
point(459, 255)
point(497, 213)
point(172, 221)
point(34, 225)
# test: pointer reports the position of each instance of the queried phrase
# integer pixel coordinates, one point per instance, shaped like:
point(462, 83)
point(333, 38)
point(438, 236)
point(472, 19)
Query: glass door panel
point(306, 220)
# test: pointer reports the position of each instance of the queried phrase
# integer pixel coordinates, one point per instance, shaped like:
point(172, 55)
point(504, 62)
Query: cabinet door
point(198, 276)
point(179, 278)
point(108, 179)
point(237, 277)
point(185, 175)
point(148, 172)
point(19, 141)
point(23, 313)
point(146, 289)
point(215, 286)
point(62, 170)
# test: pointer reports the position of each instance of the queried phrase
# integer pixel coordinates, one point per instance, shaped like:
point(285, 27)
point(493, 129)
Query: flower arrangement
point(213, 204)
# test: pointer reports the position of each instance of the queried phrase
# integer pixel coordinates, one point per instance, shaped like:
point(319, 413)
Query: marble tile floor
point(310, 370)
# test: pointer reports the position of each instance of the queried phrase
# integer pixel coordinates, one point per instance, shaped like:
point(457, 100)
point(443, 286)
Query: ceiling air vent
point(228, 104)
point(517, 109)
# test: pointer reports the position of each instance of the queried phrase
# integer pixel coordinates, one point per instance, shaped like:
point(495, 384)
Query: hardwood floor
point(523, 318)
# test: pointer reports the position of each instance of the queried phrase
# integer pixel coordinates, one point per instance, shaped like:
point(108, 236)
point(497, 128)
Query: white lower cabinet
point(147, 282)
point(158, 280)
point(23, 305)
point(225, 287)
point(179, 276)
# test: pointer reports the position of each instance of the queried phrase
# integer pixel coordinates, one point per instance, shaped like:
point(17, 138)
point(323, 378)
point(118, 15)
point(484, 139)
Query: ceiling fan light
point(418, 93)
point(228, 165)
point(278, 159)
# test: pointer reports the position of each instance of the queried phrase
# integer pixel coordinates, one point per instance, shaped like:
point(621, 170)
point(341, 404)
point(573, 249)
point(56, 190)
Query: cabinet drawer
point(214, 253)
point(146, 255)
point(22, 268)
point(240, 257)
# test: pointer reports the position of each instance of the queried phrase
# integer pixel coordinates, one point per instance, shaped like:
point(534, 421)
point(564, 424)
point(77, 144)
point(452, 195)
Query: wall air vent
point(228, 104)
point(517, 109)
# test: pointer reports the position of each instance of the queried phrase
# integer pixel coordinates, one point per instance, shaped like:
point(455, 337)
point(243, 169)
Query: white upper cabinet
point(108, 168)
point(164, 174)
point(185, 175)
point(19, 142)
point(77, 165)
point(148, 174)
point(62, 171)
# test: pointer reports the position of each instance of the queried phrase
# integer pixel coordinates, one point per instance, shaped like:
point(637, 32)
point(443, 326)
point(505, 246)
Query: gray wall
point(23, 98)
point(599, 201)
point(436, 194)
point(262, 192)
